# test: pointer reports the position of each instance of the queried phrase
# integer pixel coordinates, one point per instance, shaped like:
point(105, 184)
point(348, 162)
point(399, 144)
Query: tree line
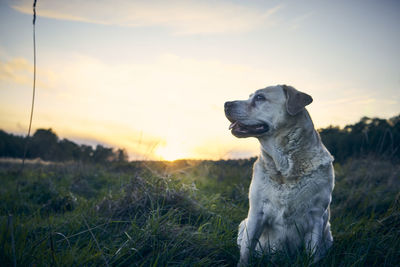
point(369, 136)
point(45, 144)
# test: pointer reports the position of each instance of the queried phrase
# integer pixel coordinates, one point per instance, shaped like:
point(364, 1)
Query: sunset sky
point(152, 76)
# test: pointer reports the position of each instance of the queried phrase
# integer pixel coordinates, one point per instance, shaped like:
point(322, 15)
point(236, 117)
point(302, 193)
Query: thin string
point(34, 85)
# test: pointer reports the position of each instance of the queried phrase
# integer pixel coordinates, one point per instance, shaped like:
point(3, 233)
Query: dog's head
point(266, 110)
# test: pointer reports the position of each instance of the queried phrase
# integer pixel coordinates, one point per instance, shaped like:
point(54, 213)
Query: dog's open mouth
point(241, 130)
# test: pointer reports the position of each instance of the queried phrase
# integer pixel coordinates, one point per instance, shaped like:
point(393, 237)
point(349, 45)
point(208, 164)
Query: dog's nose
point(228, 104)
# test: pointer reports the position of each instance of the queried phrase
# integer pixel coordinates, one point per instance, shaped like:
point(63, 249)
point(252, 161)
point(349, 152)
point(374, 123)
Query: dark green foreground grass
point(184, 213)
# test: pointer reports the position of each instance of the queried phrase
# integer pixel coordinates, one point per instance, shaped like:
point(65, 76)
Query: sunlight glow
point(172, 151)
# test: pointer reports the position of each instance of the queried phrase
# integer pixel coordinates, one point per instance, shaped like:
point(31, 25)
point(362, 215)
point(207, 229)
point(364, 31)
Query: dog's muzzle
point(238, 127)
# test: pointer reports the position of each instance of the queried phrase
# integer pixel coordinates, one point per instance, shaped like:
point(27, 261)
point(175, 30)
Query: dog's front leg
point(252, 231)
point(315, 236)
point(319, 238)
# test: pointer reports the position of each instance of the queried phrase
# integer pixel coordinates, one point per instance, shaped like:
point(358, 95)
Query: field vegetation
point(186, 213)
point(183, 213)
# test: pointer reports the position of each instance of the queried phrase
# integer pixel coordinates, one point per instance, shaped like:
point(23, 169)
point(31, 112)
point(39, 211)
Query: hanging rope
point(34, 85)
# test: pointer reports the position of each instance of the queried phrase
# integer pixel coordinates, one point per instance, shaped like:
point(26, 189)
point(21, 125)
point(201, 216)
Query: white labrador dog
point(293, 177)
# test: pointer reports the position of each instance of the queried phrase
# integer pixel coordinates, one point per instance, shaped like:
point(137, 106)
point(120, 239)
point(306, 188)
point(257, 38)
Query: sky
point(152, 76)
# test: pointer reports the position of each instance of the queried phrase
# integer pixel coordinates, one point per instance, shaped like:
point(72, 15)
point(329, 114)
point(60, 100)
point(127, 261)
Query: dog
point(293, 178)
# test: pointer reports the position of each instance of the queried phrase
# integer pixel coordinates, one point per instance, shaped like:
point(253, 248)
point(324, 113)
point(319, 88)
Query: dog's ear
point(295, 100)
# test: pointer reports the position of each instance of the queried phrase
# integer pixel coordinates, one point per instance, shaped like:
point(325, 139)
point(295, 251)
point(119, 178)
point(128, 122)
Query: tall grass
point(184, 213)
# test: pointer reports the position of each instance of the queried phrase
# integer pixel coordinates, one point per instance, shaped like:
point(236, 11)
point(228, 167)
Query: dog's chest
point(282, 204)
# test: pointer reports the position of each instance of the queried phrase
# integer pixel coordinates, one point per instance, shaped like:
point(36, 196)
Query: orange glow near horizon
point(172, 150)
point(168, 153)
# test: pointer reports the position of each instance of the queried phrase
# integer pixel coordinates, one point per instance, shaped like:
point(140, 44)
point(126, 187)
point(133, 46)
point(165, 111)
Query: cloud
point(169, 106)
point(181, 17)
point(298, 21)
point(18, 70)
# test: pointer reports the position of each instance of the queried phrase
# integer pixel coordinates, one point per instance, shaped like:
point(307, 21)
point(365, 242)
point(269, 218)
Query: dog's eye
point(259, 98)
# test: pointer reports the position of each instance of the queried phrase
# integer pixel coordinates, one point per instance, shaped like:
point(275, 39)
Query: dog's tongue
point(232, 125)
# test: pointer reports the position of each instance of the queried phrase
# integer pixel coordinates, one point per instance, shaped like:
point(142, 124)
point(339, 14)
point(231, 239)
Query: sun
point(171, 152)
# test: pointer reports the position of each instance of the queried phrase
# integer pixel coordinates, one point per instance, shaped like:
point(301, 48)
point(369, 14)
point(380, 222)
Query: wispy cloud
point(298, 21)
point(16, 70)
point(181, 17)
point(20, 71)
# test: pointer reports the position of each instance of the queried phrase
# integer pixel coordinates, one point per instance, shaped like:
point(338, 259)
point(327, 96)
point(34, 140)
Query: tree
point(43, 144)
point(11, 145)
point(103, 154)
point(67, 150)
point(121, 155)
point(46, 145)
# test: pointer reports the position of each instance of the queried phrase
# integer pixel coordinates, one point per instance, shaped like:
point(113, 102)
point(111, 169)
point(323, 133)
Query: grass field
point(183, 213)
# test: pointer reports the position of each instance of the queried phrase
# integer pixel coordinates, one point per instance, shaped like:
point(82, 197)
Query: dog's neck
point(288, 153)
